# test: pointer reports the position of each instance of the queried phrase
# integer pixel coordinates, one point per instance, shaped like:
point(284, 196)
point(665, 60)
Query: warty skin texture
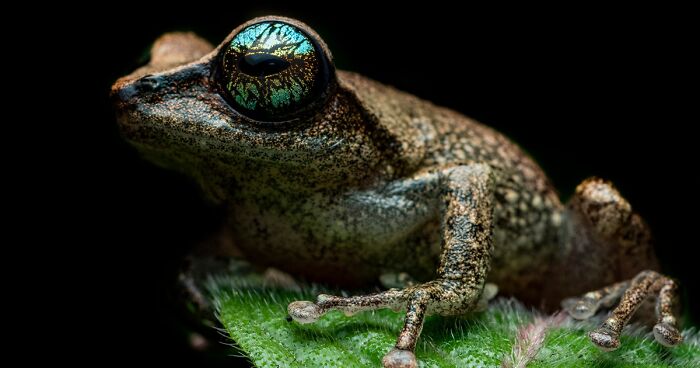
point(370, 181)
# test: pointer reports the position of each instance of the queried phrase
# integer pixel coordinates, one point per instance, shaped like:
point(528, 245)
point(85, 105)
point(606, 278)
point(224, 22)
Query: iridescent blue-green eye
point(273, 70)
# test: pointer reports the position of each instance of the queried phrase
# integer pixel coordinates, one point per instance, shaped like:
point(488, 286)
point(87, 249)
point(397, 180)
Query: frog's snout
point(124, 91)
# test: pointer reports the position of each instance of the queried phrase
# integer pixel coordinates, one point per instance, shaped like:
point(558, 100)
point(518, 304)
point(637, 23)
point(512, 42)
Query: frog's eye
point(273, 70)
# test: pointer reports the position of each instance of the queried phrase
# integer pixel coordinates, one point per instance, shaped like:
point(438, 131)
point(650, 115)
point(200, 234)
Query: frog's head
point(267, 103)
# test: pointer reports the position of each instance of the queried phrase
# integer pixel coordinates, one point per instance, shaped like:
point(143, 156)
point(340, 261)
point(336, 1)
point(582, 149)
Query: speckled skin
point(376, 181)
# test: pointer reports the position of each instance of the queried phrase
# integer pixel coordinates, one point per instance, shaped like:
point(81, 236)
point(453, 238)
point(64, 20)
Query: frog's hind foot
point(588, 304)
point(630, 294)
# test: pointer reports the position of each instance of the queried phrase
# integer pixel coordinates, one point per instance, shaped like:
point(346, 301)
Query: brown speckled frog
point(334, 177)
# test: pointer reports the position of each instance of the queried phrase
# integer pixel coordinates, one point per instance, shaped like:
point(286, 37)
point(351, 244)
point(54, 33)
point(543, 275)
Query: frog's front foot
point(630, 294)
point(447, 297)
point(466, 193)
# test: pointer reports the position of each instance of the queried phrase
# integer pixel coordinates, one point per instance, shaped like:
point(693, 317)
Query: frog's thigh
point(466, 194)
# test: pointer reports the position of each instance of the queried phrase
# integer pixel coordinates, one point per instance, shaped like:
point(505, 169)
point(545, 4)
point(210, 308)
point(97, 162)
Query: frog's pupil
point(262, 65)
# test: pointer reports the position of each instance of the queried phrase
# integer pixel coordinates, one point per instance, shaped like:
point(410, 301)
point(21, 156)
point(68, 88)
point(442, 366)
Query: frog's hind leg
point(631, 294)
point(466, 203)
point(615, 244)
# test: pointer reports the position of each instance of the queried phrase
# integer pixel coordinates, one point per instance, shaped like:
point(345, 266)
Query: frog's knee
point(490, 291)
point(614, 225)
point(602, 205)
point(176, 48)
point(398, 280)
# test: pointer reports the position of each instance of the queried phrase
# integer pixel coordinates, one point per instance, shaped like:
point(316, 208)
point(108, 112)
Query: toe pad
point(398, 358)
point(667, 335)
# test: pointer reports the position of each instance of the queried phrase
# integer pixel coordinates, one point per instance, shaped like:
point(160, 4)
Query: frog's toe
point(304, 311)
point(605, 339)
point(667, 335)
point(399, 358)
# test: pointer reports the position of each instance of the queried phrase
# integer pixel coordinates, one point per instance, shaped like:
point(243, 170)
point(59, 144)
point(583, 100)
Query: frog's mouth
point(171, 115)
point(174, 106)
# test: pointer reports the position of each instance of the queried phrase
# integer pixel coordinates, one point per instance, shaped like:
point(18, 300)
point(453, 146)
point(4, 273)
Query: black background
point(586, 91)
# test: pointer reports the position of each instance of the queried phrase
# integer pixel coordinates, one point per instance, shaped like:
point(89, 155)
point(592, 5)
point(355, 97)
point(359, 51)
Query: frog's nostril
point(127, 90)
point(149, 83)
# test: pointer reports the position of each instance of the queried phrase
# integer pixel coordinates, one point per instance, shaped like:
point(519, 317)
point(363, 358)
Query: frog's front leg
point(466, 194)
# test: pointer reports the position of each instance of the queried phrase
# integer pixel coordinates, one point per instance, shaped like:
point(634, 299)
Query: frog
point(333, 177)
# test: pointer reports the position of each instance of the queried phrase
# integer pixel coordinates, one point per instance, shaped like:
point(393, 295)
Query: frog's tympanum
point(333, 177)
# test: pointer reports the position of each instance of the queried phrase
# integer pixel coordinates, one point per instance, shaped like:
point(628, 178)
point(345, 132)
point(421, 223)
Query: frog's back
point(528, 213)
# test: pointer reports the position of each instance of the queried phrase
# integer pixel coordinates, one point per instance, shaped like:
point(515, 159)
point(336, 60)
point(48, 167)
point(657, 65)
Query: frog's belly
point(354, 241)
point(350, 243)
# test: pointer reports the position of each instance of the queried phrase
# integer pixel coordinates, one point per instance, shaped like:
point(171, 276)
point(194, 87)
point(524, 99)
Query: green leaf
point(254, 317)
